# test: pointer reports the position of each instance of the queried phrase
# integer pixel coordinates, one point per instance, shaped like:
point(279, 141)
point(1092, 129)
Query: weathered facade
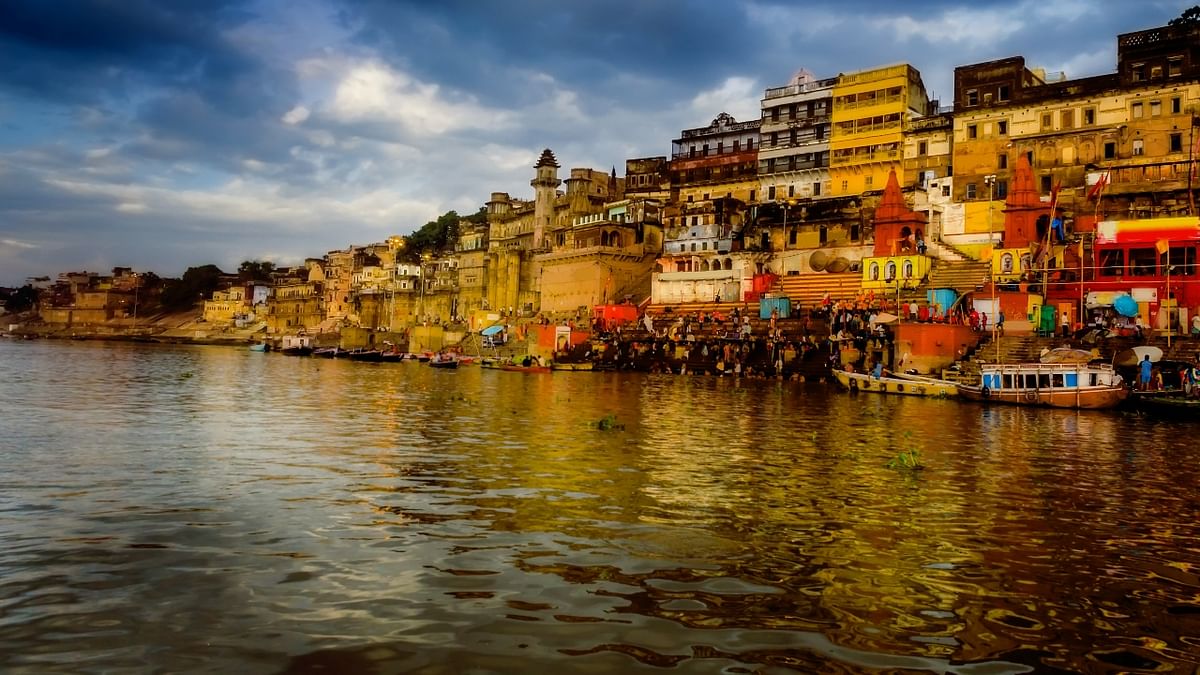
point(793, 155)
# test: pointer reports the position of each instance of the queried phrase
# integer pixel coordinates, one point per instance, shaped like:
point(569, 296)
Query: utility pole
point(990, 181)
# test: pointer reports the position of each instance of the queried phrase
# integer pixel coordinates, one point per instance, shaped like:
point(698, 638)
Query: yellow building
point(870, 110)
point(225, 305)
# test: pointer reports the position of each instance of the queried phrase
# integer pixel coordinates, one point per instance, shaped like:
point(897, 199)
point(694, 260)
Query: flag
point(1098, 188)
point(1162, 245)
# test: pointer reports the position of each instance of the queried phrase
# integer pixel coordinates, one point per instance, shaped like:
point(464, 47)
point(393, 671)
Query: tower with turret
point(545, 187)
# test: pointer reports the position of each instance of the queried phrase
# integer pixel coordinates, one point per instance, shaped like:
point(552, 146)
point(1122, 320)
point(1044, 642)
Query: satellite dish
point(817, 261)
point(838, 266)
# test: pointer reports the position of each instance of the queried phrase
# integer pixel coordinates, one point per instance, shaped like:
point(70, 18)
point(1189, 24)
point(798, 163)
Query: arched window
point(890, 271)
point(908, 269)
point(729, 263)
point(874, 271)
point(704, 266)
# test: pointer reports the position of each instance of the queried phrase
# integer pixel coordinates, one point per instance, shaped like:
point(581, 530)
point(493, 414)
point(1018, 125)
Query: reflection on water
point(208, 509)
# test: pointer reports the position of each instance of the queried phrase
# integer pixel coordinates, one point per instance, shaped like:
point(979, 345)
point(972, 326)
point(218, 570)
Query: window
point(1110, 150)
point(1112, 263)
point(1067, 118)
point(737, 142)
point(922, 148)
point(1155, 108)
point(791, 191)
point(823, 235)
point(1006, 263)
point(1176, 105)
point(972, 97)
point(845, 185)
point(752, 195)
point(771, 192)
point(817, 189)
point(854, 232)
point(972, 131)
point(1047, 121)
point(775, 114)
point(720, 147)
point(1137, 72)
point(1001, 189)
point(1142, 262)
point(1183, 261)
point(1175, 66)
point(869, 181)
point(1156, 72)
point(792, 235)
point(971, 189)
point(945, 190)
point(1002, 94)
point(1089, 116)
point(1002, 127)
point(874, 271)
point(889, 272)
point(1137, 146)
point(1047, 183)
point(1176, 142)
point(1002, 161)
point(1135, 110)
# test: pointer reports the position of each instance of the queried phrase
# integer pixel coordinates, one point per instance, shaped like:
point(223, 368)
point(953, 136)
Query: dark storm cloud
point(90, 49)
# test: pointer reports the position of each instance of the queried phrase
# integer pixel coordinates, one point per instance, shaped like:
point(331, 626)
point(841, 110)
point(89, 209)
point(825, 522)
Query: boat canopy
point(491, 330)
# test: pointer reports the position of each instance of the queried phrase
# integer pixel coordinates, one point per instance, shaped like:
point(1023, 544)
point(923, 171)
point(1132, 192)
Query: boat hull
point(1088, 399)
point(891, 385)
point(586, 365)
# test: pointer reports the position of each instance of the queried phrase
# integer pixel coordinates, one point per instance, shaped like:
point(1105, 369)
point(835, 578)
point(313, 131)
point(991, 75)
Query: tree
point(197, 284)
point(256, 270)
point(433, 237)
point(1189, 18)
point(21, 300)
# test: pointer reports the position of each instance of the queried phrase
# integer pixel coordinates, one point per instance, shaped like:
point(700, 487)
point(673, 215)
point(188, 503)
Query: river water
point(209, 509)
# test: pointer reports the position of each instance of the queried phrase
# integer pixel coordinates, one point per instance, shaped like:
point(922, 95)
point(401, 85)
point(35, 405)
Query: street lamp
point(990, 181)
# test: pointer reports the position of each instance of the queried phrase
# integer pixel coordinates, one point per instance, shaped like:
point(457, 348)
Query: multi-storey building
point(471, 250)
point(519, 231)
point(297, 300)
point(648, 178)
point(870, 111)
point(1135, 127)
point(793, 154)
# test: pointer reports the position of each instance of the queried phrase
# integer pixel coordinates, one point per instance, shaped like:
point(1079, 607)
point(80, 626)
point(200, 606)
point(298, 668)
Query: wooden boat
point(1169, 405)
point(1057, 385)
point(260, 347)
point(533, 367)
point(296, 345)
point(443, 361)
point(326, 352)
point(580, 365)
point(895, 385)
point(372, 355)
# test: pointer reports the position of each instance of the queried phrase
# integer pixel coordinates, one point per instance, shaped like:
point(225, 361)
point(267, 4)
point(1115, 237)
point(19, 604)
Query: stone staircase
point(943, 251)
point(964, 276)
point(807, 290)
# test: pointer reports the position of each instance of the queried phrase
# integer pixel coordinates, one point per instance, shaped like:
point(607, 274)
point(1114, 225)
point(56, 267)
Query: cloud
point(737, 96)
point(373, 91)
point(296, 115)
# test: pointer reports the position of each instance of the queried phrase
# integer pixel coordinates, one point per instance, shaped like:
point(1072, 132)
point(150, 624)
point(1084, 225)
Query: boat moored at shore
point(895, 385)
point(1055, 385)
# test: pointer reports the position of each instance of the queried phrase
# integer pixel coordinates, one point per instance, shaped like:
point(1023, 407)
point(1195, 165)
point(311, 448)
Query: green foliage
point(197, 284)
point(1189, 17)
point(439, 235)
point(256, 270)
point(21, 300)
point(907, 460)
point(609, 423)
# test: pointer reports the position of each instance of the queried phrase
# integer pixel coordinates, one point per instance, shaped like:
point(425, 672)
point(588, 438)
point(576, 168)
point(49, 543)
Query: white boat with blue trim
point(1056, 385)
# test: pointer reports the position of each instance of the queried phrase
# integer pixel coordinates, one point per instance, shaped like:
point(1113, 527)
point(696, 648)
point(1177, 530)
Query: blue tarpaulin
point(1125, 305)
point(491, 330)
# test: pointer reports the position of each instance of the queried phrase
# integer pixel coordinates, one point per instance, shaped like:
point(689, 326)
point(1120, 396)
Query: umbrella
point(491, 330)
point(1125, 305)
point(884, 317)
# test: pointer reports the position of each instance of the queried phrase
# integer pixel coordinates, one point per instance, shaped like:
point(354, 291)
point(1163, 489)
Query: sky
point(165, 134)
